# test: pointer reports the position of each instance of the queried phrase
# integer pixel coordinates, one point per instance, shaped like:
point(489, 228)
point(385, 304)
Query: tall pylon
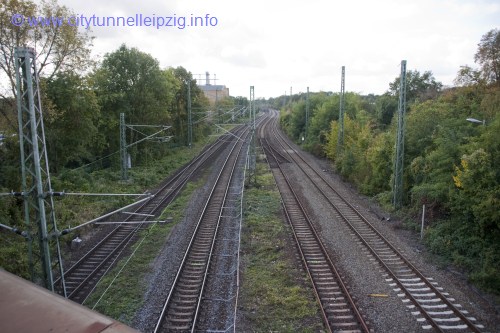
point(397, 188)
point(44, 254)
point(253, 156)
point(123, 147)
point(340, 140)
point(307, 112)
point(190, 120)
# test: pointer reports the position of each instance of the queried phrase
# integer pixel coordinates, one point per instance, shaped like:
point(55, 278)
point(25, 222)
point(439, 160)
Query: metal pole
point(123, 146)
point(340, 140)
point(252, 175)
point(37, 189)
point(399, 156)
point(423, 219)
point(217, 101)
point(190, 121)
point(307, 111)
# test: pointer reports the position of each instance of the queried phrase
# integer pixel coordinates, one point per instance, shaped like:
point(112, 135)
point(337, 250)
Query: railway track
point(337, 307)
point(82, 277)
point(180, 312)
point(433, 307)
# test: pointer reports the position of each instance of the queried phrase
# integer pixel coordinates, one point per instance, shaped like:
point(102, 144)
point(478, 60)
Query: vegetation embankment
point(72, 211)
point(81, 102)
point(121, 292)
point(450, 163)
point(273, 293)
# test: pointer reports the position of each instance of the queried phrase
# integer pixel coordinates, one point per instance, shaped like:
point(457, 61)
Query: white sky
point(275, 45)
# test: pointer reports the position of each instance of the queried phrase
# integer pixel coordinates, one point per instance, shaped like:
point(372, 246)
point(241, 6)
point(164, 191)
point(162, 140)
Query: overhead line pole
point(252, 162)
point(124, 156)
point(123, 147)
point(340, 141)
point(399, 154)
point(190, 121)
point(307, 111)
point(44, 253)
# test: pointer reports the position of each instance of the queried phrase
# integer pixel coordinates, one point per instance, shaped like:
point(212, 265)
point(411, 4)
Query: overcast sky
point(275, 45)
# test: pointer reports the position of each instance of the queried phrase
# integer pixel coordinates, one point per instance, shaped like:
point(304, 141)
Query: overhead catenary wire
point(68, 230)
point(105, 194)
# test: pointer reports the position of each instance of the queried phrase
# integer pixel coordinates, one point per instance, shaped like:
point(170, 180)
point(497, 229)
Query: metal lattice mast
point(252, 162)
point(399, 156)
point(307, 110)
point(190, 121)
point(123, 147)
point(340, 141)
point(125, 160)
point(44, 253)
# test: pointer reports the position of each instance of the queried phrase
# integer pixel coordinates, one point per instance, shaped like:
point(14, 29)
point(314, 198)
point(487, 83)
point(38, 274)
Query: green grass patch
point(120, 294)
point(273, 293)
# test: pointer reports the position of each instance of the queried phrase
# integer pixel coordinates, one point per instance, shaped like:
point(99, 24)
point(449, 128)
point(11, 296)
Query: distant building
point(214, 92)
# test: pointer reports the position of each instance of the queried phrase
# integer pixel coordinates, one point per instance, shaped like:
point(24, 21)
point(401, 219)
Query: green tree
point(351, 160)
point(418, 86)
point(467, 76)
point(478, 195)
point(131, 81)
point(385, 107)
point(72, 123)
point(178, 105)
point(379, 157)
point(322, 115)
point(59, 47)
point(488, 56)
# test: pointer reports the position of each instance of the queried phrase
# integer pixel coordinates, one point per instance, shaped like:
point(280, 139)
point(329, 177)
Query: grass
point(120, 293)
point(273, 293)
point(142, 177)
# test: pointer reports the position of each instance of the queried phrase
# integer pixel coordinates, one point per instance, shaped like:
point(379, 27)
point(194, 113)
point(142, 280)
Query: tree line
point(82, 99)
point(450, 164)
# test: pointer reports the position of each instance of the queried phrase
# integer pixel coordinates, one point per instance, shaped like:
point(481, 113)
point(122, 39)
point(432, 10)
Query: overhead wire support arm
point(165, 127)
point(15, 230)
point(104, 194)
point(228, 132)
point(68, 230)
point(11, 194)
point(124, 157)
point(144, 139)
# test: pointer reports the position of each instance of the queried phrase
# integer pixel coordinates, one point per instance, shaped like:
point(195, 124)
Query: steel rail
point(163, 315)
point(166, 193)
point(434, 323)
point(333, 323)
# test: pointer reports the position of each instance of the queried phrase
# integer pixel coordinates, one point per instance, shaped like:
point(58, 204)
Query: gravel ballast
point(383, 309)
point(363, 274)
